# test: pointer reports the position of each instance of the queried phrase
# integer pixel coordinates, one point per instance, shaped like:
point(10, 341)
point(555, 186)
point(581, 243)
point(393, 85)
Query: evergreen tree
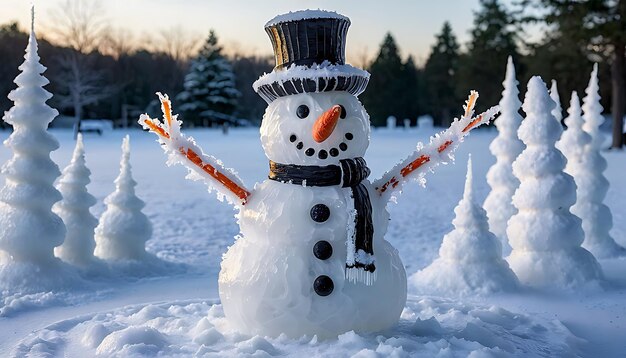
point(383, 94)
point(579, 30)
point(492, 42)
point(209, 96)
point(411, 105)
point(440, 77)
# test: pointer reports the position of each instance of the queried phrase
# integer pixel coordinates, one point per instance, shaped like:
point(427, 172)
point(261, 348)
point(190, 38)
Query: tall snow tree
point(79, 241)
point(470, 257)
point(592, 185)
point(440, 77)
point(492, 41)
point(29, 229)
point(123, 229)
point(505, 147)
point(557, 112)
point(546, 237)
point(209, 96)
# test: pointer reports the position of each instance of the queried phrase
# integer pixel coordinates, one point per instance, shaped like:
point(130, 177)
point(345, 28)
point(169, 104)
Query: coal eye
point(302, 111)
point(343, 112)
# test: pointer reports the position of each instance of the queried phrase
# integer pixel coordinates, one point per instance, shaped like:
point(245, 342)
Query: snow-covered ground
point(178, 313)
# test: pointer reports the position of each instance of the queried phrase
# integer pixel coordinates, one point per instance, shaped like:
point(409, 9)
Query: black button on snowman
point(320, 213)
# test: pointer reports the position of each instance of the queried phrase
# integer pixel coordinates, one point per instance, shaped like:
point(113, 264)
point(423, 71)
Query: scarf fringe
point(359, 275)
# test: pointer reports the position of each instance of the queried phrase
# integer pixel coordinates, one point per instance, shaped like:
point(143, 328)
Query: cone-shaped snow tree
point(470, 257)
point(79, 241)
point(592, 185)
point(29, 230)
point(574, 140)
point(545, 236)
point(505, 147)
point(123, 229)
point(557, 112)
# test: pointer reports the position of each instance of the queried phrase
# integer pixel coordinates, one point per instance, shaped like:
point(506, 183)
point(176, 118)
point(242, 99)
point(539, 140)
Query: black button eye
point(302, 111)
point(343, 112)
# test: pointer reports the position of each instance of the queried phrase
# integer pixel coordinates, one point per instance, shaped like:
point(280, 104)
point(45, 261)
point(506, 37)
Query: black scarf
point(349, 174)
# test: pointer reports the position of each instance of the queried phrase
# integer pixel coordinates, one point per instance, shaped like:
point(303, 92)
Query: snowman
point(311, 257)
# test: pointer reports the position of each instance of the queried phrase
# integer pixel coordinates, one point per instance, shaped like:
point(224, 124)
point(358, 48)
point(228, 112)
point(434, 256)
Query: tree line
point(573, 34)
point(118, 81)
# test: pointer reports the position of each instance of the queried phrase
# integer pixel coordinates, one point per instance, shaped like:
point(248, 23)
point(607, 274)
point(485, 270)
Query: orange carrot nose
point(326, 123)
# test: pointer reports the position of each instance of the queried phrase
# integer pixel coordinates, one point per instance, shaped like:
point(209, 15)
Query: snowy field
point(175, 311)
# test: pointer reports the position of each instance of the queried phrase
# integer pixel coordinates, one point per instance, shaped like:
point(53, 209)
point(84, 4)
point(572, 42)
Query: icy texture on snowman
point(79, 244)
point(544, 235)
point(592, 184)
point(505, 147)
point(123, 229)
point(311, 257)
point(470, 257)
point(30, 230)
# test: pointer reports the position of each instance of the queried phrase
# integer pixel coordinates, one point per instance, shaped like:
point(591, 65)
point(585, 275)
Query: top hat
point(310, 51)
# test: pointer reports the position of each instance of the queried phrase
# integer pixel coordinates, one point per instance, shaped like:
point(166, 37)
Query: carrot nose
point(326, 123)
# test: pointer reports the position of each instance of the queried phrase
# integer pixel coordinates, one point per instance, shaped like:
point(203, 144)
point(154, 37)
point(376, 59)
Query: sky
point(239, 24)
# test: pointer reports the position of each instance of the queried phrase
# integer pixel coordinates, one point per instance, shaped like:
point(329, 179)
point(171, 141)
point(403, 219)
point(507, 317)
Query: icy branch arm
point(184, 150)
point(439, 150)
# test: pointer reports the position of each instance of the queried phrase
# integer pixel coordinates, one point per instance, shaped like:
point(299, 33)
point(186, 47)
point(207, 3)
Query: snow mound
point(429, 327)
point(470, 257)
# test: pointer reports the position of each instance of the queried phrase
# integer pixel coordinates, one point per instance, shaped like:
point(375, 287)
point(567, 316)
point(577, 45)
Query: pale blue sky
point(239, 24)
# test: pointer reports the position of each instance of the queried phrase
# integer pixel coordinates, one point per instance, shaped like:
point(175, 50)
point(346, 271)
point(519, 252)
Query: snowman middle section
point(287, 271)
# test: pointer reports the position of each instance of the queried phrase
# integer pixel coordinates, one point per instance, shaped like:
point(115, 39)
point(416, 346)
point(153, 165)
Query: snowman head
point(313, 115)
point(315, 128)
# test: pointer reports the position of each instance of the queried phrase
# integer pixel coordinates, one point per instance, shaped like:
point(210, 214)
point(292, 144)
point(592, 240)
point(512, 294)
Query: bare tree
point(177, 43)
point(80, 85)
point(79, 24)
point(118, 42)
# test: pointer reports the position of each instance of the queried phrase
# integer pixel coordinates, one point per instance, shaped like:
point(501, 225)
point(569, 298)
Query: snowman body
point(267, 277)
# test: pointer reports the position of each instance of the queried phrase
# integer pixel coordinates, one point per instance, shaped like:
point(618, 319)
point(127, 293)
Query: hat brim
point(311, 79)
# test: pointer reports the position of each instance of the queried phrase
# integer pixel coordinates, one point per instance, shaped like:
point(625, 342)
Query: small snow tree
point(29, 230)
point(574, 140)
point(209, 95)
point(123, 229)
point(470, 258)
point(505, 147)
point(546, 237)
point(592, 185)
point(79, 241)
point(557, 112)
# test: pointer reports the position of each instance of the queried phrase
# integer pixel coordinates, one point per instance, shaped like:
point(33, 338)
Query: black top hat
point(309, 48)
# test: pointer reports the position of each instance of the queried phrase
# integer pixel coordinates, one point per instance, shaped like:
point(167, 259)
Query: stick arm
point(439, 150)
point(184, 150)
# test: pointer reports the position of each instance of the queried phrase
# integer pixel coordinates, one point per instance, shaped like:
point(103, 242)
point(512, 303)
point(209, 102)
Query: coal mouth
point(322, 153)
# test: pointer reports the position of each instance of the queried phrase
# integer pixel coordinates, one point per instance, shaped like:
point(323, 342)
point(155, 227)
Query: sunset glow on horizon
point(239, 24)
